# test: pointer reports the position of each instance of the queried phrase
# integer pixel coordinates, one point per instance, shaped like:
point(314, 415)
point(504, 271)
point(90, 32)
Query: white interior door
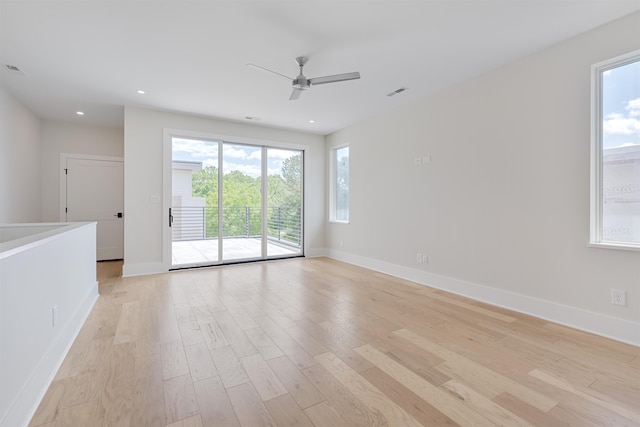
point(95, 192)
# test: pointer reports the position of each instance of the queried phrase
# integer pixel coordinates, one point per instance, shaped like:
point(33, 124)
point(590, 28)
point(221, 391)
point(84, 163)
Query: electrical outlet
point(618, 297)
point(418, 257)
point(425, 259)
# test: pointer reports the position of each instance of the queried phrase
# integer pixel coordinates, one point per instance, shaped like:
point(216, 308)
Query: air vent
point(13, 69)
point(397, 91)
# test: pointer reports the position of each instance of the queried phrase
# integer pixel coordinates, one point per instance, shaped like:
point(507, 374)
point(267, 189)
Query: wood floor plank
point(265, 345)
point(190, 333)
point(229, 367)
point(307, 341)
point(490, 382)
point(592, 396)
point(457, 301)
point(366, 392)
point(342, 400)
point(119, 390)
point(298, 386)
point(179, 398)
point(194, 421)
point(214, 404)
point(324, 414)
point(249, 407)
point(264, 380)
point(286, 343)
point(174, 360)
point(167, 324)
point(213, 336)
point(525, 411)
point(200, 362)
point(87, 414)
point(236, 337)
point(286, 412)
point(421, 410)
point(449, 405)
point(128, 324)
point(490, 410)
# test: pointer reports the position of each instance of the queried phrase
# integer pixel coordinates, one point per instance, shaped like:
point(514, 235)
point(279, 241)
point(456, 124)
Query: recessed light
point(141, 92)
point(80, 113)
point(312, 121)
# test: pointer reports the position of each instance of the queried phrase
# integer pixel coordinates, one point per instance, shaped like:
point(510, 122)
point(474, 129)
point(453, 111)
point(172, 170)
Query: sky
point(245, 158)
point(621, 106)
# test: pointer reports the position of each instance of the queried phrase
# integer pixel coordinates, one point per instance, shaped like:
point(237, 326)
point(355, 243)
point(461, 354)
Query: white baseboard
point(607, 326)
point(315, 252)
point(142, 268)
point(26, 402)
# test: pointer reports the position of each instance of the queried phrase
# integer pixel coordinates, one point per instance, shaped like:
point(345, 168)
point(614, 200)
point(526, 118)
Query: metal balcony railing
point(284, 224)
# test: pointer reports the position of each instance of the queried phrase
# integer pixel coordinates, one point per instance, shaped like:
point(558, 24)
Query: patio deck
point(190, 252)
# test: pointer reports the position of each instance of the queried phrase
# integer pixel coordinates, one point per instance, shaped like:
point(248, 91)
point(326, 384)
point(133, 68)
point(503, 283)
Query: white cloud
point(194, 149)
point(620, 124)
point(633, 107)
point(210, 162)
point(231, 151)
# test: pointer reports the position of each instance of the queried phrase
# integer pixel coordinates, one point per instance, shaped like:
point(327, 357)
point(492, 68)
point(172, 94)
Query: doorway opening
point(234, 202)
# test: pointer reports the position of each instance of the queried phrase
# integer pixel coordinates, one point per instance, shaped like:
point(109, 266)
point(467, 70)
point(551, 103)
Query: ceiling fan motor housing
point(301, 83)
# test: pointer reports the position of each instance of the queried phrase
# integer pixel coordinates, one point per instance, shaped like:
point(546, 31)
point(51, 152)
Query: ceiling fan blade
point(257, 67)
point(295, 94)
point(335, 78)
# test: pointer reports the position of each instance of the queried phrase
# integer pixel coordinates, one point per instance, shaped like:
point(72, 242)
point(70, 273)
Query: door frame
point(63, 176)
point(169, 133)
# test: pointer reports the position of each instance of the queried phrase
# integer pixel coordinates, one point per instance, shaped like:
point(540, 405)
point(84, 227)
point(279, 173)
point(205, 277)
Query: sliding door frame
point(167, 140)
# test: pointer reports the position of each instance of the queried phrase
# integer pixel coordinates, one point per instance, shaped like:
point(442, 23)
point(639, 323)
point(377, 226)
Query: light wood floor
point(315, 342)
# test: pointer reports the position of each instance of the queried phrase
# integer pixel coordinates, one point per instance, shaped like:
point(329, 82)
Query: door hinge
point(66, 210)
point(66, 171)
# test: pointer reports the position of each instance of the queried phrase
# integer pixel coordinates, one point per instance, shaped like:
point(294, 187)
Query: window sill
point(618, 246)
point(335, 221)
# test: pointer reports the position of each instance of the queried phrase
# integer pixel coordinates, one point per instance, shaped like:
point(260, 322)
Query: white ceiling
point(191, 56)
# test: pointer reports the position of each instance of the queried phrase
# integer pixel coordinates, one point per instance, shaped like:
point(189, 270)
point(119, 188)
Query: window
point(615, 169)
point(340, 184)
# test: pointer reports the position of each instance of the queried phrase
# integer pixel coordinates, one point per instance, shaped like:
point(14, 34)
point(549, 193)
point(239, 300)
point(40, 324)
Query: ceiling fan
point(301, 83)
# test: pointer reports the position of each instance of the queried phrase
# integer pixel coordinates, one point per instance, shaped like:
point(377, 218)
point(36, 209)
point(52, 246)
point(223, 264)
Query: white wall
point(502, 210)
point(19, 162)
point(70, 138)
point(143, 151)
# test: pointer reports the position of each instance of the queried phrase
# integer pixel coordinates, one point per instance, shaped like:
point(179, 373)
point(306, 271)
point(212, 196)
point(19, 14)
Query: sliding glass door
point(241, 211)
point(284, 202)
point(218, 211)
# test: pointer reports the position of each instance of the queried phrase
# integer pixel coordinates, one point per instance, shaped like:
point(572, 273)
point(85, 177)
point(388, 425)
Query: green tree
point(205, 184)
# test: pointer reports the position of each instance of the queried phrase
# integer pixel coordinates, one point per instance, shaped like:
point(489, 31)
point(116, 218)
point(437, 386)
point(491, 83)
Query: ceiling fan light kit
point(301, 83)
